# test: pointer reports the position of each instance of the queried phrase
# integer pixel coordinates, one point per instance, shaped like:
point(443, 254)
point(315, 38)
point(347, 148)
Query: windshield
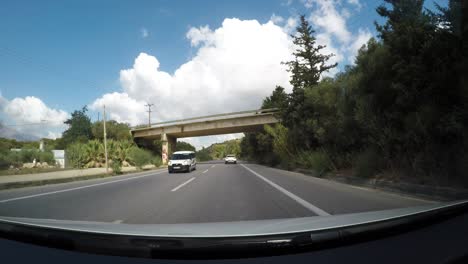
point(180, 156)
point(302, 109)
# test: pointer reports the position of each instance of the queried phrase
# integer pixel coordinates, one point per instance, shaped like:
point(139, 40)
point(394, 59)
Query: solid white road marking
point(213, 166)
point(296, 198)
point(205, 171)
point(117, 221)
point(180, 186)
point(77, 188)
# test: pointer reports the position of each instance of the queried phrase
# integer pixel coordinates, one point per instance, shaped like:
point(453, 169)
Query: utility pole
point(149, 113)
point(105, 140)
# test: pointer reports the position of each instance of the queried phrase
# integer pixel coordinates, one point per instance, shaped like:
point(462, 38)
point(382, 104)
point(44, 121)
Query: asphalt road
point(215, 192)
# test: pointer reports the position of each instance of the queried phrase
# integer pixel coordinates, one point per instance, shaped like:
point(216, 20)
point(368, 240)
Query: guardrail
point(259, 111)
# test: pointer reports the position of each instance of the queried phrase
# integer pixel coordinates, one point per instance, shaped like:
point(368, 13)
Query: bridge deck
point(206, 118)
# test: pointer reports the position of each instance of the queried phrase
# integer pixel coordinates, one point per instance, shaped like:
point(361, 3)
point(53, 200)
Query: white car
point(182, 161)
point(230, 159)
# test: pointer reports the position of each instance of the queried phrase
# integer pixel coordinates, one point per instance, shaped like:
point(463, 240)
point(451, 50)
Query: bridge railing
point(202, 118)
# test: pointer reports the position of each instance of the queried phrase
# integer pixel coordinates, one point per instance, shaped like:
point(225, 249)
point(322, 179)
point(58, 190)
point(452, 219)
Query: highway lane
point(215, 192)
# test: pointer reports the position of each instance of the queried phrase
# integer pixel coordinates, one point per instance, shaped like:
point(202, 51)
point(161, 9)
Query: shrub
point(157, 161)
point(4, 161)
point(47, 156)
point(317, 160)
point(116, 166)
point(76, 155)
point(140, 157)
point(28, 155)
point(368, 163)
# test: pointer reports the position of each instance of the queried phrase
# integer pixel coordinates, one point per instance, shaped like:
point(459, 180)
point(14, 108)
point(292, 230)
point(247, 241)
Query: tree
point(306, 70)
point(181, 145)
point(79, 127)
point(114, 130)
point(278, 99)
point(309, 63)
point(203, 154)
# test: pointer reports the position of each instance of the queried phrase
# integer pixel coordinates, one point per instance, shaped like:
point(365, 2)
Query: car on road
point(230, 159)
point(182, 161)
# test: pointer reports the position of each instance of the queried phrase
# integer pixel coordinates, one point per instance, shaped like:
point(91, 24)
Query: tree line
point(400, 110)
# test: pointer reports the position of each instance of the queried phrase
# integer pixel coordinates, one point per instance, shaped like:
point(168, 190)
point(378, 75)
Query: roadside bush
point(368, 163)
point(116, 166)
point(4, 161)
point(28, 155)
point(316, 160)
point(46, 156)
point(157, 161)
point(140, 157)
point(76, 155)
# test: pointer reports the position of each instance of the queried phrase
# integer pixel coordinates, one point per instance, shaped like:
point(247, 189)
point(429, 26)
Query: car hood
point(232, 229)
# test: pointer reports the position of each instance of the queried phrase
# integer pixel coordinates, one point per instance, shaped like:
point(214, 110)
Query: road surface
point(215, 192)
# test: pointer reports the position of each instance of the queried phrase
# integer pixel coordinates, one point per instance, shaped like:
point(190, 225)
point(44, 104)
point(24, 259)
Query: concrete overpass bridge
point(169, 131)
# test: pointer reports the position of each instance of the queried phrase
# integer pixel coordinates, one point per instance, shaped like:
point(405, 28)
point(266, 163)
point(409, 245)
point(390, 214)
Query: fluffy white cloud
point(31, 115)
point(234, 68)
point(327, 17)
point(199, 35)
point(121, 108)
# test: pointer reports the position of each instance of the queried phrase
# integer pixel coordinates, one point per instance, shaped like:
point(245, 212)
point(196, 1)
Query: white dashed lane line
point(291, 195)
point(182, 185)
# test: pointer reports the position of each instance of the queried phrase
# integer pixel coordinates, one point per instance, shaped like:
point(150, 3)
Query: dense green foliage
point(92, 154)
point(402, 107)
point(79, 129)
point(218, 151)
point(114, 130)
point(6, 144)
point(18, 158)
point(184, 146)
point(203, 154)
point(140, 157)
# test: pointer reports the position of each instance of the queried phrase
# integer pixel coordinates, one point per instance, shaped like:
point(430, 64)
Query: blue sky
point(68, 54)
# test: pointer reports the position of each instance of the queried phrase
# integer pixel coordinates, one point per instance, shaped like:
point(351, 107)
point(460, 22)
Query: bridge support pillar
point(168, 147)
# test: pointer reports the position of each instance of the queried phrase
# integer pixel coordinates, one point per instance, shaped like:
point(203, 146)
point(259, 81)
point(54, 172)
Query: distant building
point(59, 156)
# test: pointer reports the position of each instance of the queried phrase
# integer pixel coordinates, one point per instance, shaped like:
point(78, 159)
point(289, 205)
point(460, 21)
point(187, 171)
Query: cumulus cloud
point(121, 108)
point(31, 111)
point(200, 35)
point(144, 32)
point(235, 67)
